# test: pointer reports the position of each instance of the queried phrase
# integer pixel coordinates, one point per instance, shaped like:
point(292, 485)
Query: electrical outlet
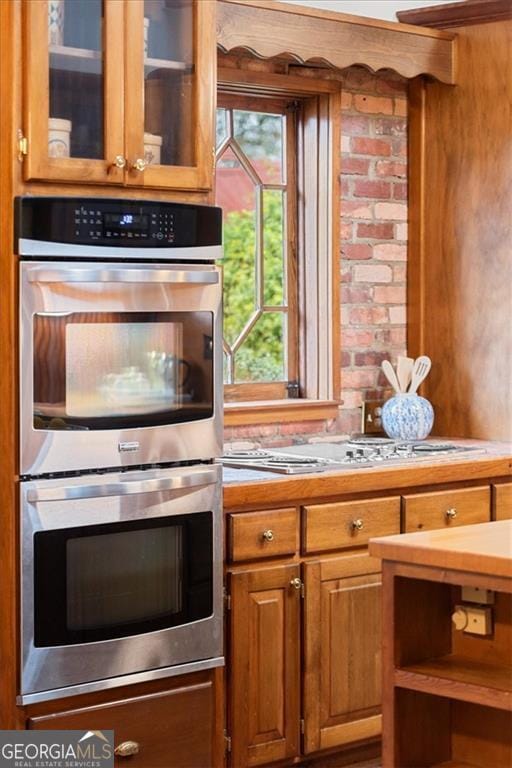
point(472, 619)
point(371, 419)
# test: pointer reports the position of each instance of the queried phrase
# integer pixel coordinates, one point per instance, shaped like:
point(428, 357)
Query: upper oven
point(120, 333)
point(120, 365)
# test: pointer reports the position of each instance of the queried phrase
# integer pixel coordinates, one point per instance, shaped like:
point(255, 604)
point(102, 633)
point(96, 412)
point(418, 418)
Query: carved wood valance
point(267, 29)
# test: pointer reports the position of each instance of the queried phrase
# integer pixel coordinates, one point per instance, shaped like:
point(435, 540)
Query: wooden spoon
point(404, 372)
point(420, 371)
point(389, 373)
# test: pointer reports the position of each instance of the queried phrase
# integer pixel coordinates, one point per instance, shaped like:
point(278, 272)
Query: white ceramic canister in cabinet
point(59, 137)
point(152, 148)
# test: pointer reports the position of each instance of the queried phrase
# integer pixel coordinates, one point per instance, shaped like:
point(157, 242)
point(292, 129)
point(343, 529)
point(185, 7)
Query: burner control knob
point(349, 454)
point(360, 453)
point(267, 535)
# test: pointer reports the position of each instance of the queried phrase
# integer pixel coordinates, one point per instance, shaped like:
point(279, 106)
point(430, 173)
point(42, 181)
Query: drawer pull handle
point(268, 535)
point(357, 525)
point(451, 513)
point(296, 583)
point(126, 749)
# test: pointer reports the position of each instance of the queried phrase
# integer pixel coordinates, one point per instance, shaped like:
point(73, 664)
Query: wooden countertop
point(247, 489)
point(481, 549)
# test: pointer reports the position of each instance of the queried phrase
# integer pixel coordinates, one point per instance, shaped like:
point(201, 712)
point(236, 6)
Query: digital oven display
point(125, 222)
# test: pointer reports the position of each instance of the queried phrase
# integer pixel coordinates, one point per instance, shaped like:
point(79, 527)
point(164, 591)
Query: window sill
point(238, 414)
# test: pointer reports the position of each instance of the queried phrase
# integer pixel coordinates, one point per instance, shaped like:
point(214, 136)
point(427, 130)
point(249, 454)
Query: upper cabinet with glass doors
point(120, 91)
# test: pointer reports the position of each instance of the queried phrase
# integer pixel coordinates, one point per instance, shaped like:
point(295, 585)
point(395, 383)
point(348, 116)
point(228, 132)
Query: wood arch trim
point(270, 29)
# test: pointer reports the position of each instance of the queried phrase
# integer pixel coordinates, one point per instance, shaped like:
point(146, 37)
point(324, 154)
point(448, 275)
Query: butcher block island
point(303, 595)
point(447, 646)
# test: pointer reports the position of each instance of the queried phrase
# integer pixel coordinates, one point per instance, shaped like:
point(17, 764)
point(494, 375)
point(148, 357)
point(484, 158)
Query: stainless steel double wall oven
point(120, 418)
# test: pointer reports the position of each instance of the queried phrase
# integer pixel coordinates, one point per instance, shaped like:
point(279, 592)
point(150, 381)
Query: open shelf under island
point(447, 694)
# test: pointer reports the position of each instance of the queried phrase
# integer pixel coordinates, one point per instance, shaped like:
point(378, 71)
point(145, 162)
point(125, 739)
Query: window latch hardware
point(293, 389)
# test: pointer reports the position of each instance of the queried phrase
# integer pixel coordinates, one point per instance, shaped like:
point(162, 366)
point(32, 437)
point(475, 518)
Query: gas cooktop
point(356, 453)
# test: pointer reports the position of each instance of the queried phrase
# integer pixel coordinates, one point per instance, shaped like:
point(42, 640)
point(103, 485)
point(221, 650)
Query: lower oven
point(121, 579)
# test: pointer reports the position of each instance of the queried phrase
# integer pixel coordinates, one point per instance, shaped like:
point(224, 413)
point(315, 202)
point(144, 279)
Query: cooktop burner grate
point(360, 452)
point(434, 447)
point(247, 455)
point(371, 442)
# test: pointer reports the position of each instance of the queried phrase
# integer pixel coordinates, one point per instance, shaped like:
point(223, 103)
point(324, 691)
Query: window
point(256, 188)
point(277, 182)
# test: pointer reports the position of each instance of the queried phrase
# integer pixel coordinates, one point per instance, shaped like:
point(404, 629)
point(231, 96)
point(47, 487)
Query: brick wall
point(373, 210)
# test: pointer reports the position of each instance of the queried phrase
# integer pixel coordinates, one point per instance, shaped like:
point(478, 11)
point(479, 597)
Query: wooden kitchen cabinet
point(502, 501)
point(256, 535)
point(120, 92)
point(264, 695)
point(349, 523)
point(311, 667)
point(170, 729)
point(342, 633)
point(442, 509)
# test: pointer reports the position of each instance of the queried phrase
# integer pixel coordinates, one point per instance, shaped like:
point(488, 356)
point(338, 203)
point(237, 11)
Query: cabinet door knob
point(451, 513)
point(268, 535)
point(127, 748)
point(357, 525)
point(119, 161)
point(139, 164)
point(296, 583)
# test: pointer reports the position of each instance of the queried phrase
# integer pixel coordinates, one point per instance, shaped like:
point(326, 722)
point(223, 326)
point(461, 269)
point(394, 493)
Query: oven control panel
point(94, 225)
point(118, 222)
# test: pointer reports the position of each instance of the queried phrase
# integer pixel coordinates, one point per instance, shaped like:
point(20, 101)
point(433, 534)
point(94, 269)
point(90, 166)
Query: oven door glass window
point(122, 370)
point(101, 582)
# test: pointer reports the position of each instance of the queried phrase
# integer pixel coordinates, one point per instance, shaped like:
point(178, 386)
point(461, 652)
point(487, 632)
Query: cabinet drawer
point(503, 501)
point(426, 511)
point(171, 729)
point(253, 535)
point(349, 523)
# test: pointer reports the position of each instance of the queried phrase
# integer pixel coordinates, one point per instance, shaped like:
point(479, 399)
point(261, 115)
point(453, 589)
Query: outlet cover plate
point(371, 417)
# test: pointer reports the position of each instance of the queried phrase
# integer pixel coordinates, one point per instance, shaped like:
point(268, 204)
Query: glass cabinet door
point(120, 91)
point(74, 90)
point(169, 92)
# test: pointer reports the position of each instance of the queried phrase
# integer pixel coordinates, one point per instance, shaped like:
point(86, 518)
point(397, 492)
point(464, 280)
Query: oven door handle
point(125, 275)
point(176, 483)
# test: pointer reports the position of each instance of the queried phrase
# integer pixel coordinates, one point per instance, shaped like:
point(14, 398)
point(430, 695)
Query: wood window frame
point(318, 258)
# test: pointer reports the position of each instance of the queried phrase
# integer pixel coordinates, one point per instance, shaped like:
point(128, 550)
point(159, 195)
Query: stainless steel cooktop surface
point(358, 452)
